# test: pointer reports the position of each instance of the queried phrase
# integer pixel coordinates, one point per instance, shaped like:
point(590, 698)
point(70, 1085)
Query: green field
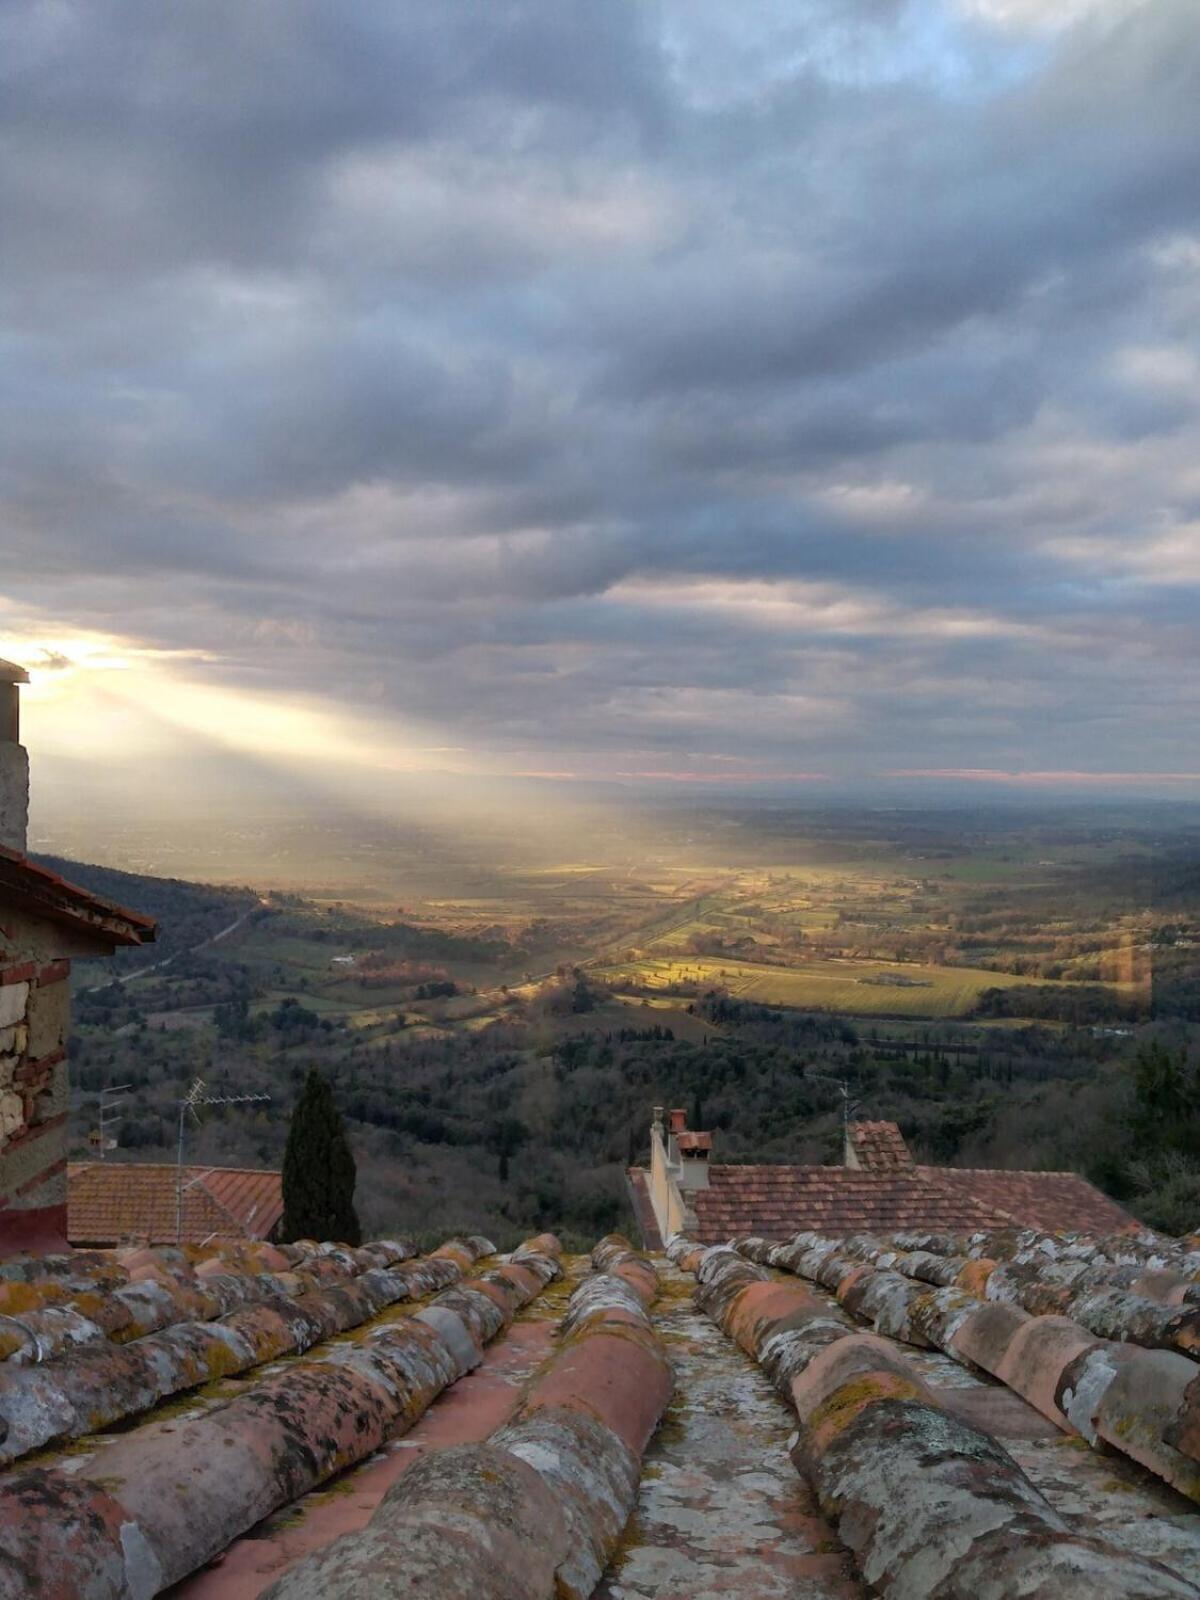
point(922, 991)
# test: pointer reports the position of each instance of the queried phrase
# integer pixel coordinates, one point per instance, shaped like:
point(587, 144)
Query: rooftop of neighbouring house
point(116, 1202)
point(36, 890)
point(879, 1188)
point(777, 1202)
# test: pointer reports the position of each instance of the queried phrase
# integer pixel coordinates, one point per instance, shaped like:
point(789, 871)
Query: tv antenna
point(110, 1109)
point(196, 1097)
point(849, 1106)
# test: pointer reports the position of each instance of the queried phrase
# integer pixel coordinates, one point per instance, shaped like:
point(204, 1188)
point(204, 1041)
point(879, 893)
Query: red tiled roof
point(253, 1197)
point(879, 1147)
point(780, 1201)
point(694, 1141)
point(777, 1202)
point(1053, 1201)
point(109, 1201)
point(33, 888)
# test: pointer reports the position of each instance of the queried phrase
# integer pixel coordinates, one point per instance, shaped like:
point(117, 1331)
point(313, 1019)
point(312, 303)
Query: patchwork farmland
point(855, 988)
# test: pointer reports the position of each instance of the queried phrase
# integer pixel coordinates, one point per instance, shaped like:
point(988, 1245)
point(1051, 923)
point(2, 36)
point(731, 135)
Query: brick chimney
point(876, 1147)
point(689, 1152)
point(14, 761)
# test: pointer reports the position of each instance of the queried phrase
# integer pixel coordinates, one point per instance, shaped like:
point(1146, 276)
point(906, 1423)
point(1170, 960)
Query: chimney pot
point(678, 1120)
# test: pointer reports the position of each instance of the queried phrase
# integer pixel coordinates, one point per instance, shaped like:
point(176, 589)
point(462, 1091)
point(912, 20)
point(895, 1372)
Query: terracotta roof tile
point(1051, 1200)
point(777, 1202)
point(254, 1198)
point(109, 1201)
point(43, 893)
point(879, 1147)
point(163, 1494)
point(1121, 1400)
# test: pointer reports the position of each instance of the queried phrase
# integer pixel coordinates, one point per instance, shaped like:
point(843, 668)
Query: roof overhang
point(41, 893)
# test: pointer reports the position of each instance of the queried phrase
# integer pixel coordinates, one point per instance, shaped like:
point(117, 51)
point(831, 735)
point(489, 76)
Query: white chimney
point(688, 1152)
point(14, 761)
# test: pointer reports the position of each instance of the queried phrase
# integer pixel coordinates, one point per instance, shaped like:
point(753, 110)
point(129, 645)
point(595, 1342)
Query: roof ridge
point(203, 1167)
point(272, 1172)
point(1023, 1172)
point(815, 1166)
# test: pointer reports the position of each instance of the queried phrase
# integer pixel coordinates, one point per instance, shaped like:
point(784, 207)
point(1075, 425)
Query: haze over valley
point(496, 1026)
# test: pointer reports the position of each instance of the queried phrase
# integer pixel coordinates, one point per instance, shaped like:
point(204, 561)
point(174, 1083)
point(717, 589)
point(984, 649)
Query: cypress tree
point(318, 1170)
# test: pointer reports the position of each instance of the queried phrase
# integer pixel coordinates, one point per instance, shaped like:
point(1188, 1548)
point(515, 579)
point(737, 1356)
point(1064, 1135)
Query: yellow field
point(828, 985)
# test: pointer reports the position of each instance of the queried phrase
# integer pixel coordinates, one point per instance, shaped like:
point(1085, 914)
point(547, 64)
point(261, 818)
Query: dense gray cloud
point(812, 385)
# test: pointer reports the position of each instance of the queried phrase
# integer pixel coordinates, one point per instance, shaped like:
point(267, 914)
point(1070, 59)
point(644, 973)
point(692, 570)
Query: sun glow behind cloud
point(110, 701)
point(600, 391)
point(139, 714)
point(95, 696)
point(149, 732)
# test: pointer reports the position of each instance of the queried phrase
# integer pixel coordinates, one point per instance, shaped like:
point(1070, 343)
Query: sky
point(665, 392)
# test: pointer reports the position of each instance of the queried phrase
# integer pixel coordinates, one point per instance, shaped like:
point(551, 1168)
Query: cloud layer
point(656, 386)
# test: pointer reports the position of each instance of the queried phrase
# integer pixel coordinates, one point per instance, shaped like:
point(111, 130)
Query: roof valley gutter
point(536, 1511)
point(161, 1502)
point(931, 1507)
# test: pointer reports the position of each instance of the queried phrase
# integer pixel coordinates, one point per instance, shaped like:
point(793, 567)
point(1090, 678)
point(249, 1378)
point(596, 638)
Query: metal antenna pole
point(196, 1096)
point(849, 1107)
point(109, 1107)
point(185, 1105)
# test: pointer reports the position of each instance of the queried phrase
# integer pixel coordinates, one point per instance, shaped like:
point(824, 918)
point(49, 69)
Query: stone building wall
point(34, 1022)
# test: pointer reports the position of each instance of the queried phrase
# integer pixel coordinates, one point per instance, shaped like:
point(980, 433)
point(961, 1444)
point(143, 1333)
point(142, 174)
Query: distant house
point(878, 1189)
point(124, 1202)
point(44, 923)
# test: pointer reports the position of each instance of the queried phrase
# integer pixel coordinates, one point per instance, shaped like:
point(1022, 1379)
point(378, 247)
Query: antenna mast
point(196, 1097)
